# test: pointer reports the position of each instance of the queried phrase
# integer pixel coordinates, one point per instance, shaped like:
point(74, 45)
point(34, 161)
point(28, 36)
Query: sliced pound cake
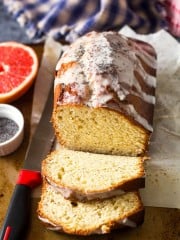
point(92, 217)
point(104, 95)
point(85, 176)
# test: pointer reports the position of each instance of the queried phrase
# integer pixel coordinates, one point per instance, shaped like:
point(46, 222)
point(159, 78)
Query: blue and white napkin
point(69, 19)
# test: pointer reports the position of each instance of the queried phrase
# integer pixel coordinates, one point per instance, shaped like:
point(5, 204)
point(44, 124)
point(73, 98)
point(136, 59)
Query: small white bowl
point(11, 112)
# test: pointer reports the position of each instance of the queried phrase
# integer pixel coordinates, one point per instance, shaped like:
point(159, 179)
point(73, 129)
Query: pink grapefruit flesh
point(18, 69)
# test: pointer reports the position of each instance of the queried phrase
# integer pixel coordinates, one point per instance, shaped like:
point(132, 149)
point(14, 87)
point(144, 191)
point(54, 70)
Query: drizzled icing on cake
point(99, 68)
point(102, 229)
point(68, 193)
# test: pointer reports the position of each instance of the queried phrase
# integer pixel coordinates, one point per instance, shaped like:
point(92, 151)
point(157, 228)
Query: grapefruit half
point(18, 69)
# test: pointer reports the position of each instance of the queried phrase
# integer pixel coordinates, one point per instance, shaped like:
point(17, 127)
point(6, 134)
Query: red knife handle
point(18, 215)
point(29, 178)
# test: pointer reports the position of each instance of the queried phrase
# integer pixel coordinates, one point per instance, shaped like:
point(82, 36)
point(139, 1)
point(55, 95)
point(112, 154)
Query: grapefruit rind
point(24, 86)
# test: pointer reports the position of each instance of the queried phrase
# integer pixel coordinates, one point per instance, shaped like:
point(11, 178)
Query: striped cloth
point(69, 19)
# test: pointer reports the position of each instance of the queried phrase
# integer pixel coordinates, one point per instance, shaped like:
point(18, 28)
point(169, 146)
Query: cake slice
point(92, 217)
point(85, 176)
point(104, 95)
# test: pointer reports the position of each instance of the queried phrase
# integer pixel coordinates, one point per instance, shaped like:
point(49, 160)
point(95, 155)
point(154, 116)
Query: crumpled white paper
point(163, 169)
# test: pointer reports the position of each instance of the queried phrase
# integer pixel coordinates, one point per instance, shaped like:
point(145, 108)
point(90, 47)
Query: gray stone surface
point(9, 28)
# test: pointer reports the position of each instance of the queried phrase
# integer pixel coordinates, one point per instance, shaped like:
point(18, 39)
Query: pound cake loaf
point(93, 217)
point(105, 94)
point(83, 176)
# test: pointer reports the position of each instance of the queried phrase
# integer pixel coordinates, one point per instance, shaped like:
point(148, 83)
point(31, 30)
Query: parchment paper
point(163, 169)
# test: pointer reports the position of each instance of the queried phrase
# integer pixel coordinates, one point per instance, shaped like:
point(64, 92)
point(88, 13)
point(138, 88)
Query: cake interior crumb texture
point(99, 130)
point(86, 218)
point(89, 172)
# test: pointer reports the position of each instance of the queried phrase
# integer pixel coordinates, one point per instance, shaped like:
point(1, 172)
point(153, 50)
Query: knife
point(18, 214)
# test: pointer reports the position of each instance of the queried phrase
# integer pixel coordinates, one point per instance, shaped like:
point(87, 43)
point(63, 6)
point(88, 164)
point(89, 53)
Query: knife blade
point(51, 53)
point(18, 215)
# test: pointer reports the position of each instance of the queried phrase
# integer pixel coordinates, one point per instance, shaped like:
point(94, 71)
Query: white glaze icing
point(68, 193)
point(101, 230)
point(125, 222)
point(128, 222)
point(139, 118)
point(150, 80)
point(94, 78)
point(53, 226)
point(147, 58)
